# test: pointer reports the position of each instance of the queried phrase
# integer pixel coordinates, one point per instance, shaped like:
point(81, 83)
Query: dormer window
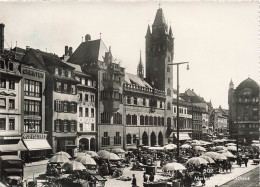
point(62, 72)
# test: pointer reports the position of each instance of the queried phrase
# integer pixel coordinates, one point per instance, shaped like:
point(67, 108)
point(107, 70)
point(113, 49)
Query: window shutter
point(62, 106)
point(55, 105)
point(75, 108)
point(55, 122)
point(61, 126)
point(68, 126)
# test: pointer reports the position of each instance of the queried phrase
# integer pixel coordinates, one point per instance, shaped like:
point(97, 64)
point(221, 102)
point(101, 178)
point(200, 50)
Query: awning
point(13, 147)
point(36, 144)
point(182, 136)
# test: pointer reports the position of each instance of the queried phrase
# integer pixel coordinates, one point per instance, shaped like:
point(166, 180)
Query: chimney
point(66, 50)
point(2, 38)
point(87, 38)
point(70, 51)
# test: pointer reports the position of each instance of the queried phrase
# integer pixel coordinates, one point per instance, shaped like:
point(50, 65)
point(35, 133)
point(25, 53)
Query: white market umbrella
point(62, 153)
point(185, 146)
point(197, 161)
point(228, 154)
point(86, 160)
point(231, 144)
point(199, 148)
point(91, 153)
point(73, 166)
point(208, 159)
point(173, 167)
point(170, 146)
point(58, 159)
point(233, 148)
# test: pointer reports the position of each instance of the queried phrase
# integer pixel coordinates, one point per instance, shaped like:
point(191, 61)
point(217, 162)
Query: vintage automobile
point(11, 170)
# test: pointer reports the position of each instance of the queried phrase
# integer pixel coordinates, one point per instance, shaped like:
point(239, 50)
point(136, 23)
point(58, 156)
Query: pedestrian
point(151, 178)
point(246, 161)
point(134, 181)
point(145, 177)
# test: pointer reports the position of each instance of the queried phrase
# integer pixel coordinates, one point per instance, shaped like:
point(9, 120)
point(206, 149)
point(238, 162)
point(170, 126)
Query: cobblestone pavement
point(250, 179)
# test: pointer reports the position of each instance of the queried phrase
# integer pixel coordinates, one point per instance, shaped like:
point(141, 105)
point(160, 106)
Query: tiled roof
point(249, 83)
point(89, 51)
point(134, 79)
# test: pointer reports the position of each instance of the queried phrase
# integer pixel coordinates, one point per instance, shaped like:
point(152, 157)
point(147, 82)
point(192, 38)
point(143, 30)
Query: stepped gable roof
point(89, 51)
point(249, 83)
point(134, 79)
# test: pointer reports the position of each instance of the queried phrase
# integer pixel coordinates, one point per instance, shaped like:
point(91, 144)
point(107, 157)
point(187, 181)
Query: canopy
point(197, 161)
point(63, 154)
point(182, 136)
point(13, 147)
point(36, 144)
point(173, 167)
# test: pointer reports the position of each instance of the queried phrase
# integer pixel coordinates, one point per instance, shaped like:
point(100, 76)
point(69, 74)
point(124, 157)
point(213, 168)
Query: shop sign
point(33, 73)
point(33, 117)
point(34, 136)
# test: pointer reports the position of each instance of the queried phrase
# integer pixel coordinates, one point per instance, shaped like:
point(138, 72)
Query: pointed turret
point(231, 85)
point(140, 68)
point(148, 33)
point(159, 21)
point(170, 32)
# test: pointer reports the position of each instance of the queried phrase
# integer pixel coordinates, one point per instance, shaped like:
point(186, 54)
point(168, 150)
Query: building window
point(134, 119)
point(159, 121)
point(117, 118)
point(58, 86)
point(117, 139)
point(72, 126)
point(11, 124)
point(31, 88)
point(63, 72)
point(86, 112)
point(69, 74)
point(92, 113)
point(80, 127)
point(65, 88)
point(31, 107)
point(57, 71)
point(161, 104)
point(135, 100)
point(37, 108)
point(146, 120)
point(105, 117)
point(58, 123)
point(142, 120)
point(169, 92)
point(80, 96)
point(168, 106)
point(128, 100)
point(155, 121)
point(2, 83)
point(2, 103)
point(92, 127)
point(144, 102)
point(128, 119)
point(134, 138)
point(86, 97)
point(11, 66)
point(11, 85)
point(65, 106)
point(105, 141)
point(73, 107)
point(73, 89)
point(150, 120)
point(2, 124)
point(26, 107)
point(168, 69)
point(128, 139)
point(169, 80)
point(65, 126)
point(92, 98)
point(80, 111)
point(11, 104)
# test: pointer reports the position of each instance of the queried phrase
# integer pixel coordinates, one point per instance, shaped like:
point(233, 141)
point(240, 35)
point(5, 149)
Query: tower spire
point(140, 67)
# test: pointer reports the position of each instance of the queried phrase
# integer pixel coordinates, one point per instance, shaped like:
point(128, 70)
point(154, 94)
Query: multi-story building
point(244, 110)
point(10, 99)
point(86, 115)
point(60, 99)
point(185, 120)
point(144, 113)
point(220, 118)
point(96, 60)
point(33, 111)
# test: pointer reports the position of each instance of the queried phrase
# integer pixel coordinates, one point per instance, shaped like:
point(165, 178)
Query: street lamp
point(178, 127)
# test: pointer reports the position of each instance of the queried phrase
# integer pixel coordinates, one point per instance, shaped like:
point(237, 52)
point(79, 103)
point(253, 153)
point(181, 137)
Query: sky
point(218, 39)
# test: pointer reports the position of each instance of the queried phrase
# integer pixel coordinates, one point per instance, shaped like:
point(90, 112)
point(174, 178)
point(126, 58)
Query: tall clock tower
point(159, 53)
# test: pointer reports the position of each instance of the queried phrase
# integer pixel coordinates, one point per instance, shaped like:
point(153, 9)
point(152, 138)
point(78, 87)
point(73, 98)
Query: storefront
point(37, 146)
point(12, 149)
